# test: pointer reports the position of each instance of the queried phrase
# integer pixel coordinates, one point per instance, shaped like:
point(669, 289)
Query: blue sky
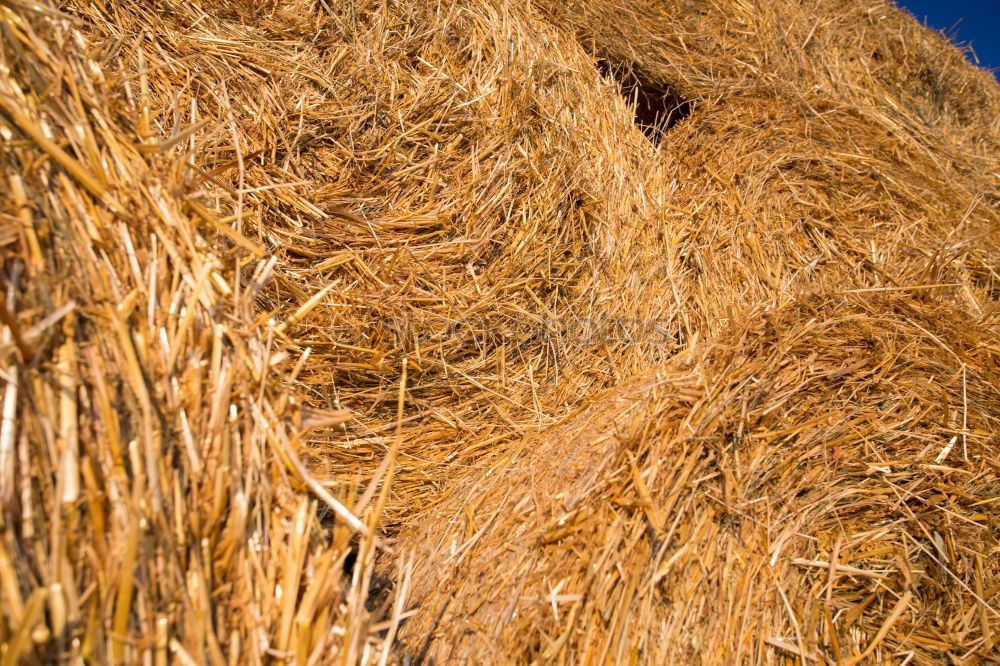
point(978, 21)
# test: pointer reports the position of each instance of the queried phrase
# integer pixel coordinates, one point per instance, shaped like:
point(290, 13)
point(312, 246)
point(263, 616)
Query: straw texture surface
point(481, 331)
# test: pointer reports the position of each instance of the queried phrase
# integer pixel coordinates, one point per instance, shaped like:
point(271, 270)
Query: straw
point(484, 332)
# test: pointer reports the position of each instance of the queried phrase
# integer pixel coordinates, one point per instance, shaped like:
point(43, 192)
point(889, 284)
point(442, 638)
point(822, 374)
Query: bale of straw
point(578, 332)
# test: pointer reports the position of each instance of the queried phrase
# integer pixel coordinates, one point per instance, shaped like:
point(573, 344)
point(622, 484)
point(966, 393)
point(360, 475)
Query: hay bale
point(573, 331)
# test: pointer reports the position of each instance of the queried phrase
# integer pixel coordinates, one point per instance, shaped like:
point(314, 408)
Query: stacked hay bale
point(578, 332)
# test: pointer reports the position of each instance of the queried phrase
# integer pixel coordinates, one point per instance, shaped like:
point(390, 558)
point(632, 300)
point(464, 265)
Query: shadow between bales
point(657, 107)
